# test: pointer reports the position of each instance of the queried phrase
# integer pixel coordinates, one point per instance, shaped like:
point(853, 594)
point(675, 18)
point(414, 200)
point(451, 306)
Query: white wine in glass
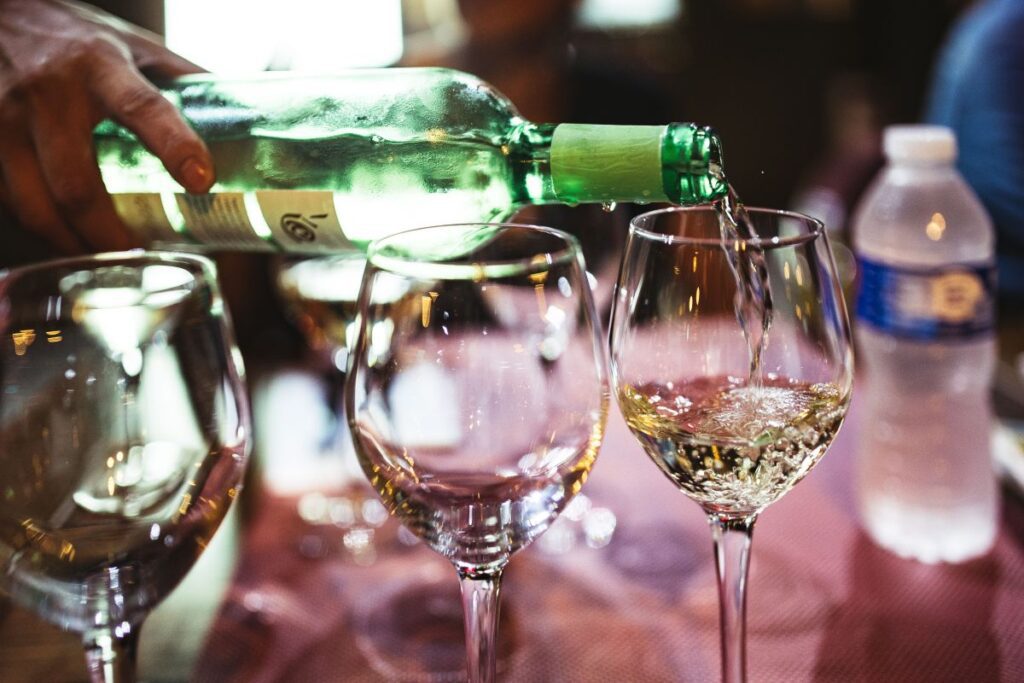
point(732, 365)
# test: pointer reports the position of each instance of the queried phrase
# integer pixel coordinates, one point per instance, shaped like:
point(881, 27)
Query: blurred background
point(800, 91)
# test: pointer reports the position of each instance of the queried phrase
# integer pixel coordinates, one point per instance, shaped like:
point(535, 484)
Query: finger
point(61, 127)
point(136, 104)
point(22, 187)
point(30, 201)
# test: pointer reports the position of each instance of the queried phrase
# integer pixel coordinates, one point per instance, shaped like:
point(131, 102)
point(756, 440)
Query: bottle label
point(219, 220)
point(290, 220)
point(607, 163)
point(945, 302)
point(303, 220)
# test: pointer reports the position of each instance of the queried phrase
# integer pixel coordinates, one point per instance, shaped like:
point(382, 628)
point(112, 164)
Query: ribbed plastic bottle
point(925, 316)
point(325, 163)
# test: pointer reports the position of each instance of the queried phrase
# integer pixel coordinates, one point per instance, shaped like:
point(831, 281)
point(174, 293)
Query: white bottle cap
point(920, 143)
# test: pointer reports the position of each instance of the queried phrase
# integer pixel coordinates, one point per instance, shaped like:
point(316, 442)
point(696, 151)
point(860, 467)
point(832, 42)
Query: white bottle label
point(289, 220)
point(219, 220)
point(303, 220)
point(954, 301)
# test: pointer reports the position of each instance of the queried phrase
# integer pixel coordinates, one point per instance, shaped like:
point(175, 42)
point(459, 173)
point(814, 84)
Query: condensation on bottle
point(925, 318)
point(327, 164)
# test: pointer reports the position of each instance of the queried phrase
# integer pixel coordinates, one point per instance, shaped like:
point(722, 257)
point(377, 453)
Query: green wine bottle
point(320, 164)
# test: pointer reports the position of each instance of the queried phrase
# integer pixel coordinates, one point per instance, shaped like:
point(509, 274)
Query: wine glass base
point(411, 629)
point(784, 598)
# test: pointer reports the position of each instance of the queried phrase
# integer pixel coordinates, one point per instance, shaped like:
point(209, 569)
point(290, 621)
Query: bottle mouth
point(708, 156)
point(696, 150)
point(693, 168)
point(714, 153)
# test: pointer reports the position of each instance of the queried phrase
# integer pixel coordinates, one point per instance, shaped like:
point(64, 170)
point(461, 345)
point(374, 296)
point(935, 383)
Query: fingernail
point(196, 175)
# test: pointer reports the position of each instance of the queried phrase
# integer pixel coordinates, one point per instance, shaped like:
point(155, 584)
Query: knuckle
point(75, 59)
point(180, 144)
point(88, 49)
point(138, 102)
point(40, 77)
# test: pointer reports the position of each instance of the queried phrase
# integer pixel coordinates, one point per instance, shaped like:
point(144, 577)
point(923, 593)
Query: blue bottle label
point(945, 302)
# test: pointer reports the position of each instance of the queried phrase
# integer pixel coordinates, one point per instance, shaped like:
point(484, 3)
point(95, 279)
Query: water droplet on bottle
point(608, 207)
point(376, 139)
point(69, 374)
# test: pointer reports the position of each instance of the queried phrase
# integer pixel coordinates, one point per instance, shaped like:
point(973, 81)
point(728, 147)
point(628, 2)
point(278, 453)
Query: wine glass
point(477, 412)
point(320, 296)
point(734, 426)
point(124, 431)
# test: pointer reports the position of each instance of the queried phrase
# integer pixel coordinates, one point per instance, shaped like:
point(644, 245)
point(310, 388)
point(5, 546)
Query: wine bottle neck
point(678, 163)
point(601, 163)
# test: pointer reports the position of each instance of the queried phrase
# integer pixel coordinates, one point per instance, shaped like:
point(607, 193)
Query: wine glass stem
point(480, 611)
point(111, 657)
point(732, 558)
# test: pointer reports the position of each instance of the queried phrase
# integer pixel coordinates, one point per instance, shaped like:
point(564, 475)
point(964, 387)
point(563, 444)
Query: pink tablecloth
point(825, 604)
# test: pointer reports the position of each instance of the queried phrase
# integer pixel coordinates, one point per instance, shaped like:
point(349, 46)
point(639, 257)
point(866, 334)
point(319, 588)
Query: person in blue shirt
point(978, 91)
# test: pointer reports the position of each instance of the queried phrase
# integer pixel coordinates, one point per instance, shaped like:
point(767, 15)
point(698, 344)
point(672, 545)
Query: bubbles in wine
point(734, 446)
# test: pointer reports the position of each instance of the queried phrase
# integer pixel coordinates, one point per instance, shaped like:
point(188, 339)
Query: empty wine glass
point(478, 410)
point(734, 427)
point(124, 432)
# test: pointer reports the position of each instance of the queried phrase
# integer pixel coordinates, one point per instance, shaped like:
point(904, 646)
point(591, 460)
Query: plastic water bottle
point(925, 317)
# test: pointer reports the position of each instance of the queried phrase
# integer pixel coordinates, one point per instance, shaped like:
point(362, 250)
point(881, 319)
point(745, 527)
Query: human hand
point(64, 67)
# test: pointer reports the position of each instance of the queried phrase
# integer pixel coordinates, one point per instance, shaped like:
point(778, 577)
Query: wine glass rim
point(480, 269)
point(817, 228)
point(205, 263)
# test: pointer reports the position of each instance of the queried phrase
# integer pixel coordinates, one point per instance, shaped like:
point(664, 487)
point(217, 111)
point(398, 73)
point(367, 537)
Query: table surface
point(825, 604)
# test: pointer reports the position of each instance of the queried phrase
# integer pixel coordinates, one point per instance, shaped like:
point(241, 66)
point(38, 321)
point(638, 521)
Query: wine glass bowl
point(477, 400)
point(681, 360)
point(346, 519)
point(123, 438)
point(734, 411)
point(320, 296)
